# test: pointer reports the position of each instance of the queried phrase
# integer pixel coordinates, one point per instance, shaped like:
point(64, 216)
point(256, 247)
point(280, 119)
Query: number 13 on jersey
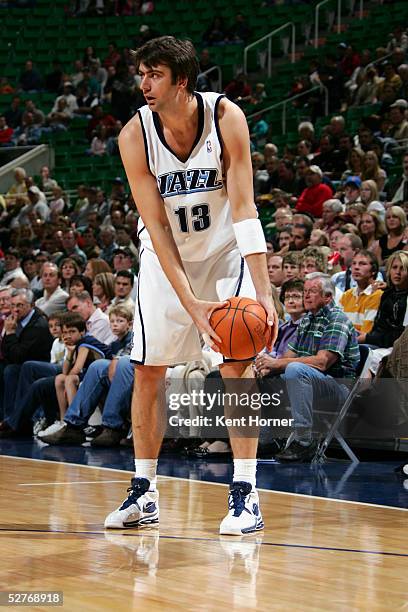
point(200, 218)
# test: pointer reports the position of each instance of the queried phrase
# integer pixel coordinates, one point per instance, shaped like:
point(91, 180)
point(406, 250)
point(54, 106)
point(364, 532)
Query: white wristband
point(250, 237)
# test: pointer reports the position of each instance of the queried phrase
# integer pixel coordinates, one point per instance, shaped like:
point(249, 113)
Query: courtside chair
point(362, 371)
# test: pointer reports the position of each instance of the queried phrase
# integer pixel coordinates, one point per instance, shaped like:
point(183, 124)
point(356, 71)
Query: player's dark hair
point(178, 55)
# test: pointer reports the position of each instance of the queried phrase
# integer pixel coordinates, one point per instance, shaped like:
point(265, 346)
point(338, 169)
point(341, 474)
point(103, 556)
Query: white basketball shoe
point(140, 508)
point(244, 515)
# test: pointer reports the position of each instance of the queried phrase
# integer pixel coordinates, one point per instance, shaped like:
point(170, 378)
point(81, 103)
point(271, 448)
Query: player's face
point(157, 86)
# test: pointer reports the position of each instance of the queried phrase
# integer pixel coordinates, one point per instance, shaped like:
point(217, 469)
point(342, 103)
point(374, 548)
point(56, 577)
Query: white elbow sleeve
point(250, 237)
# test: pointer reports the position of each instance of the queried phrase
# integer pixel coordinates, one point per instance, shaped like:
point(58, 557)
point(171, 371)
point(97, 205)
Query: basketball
point(242, 327)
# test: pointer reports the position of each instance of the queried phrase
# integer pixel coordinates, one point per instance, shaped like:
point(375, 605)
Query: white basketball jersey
point(193, 191)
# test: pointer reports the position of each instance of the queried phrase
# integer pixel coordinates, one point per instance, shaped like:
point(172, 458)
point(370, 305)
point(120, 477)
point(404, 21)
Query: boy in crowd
point(99, 378)
point(291, 266)
point(82, 350)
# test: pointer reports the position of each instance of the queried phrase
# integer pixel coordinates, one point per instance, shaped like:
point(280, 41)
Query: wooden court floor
point(314, 554)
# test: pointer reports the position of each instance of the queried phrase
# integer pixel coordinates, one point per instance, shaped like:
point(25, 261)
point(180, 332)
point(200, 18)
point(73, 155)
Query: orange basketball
point(242, 326)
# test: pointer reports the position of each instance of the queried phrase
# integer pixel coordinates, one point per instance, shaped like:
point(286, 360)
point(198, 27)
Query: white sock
point(147, 468)
point(245, 470)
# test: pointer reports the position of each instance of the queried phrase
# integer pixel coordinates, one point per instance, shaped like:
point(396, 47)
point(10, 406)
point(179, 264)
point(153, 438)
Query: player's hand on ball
point(273, 320)
point(201, 314)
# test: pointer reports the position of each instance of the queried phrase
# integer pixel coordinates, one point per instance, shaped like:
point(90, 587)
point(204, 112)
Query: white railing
point(216, 69)
point(317, 11)
point(269, 37)
point(284, 103)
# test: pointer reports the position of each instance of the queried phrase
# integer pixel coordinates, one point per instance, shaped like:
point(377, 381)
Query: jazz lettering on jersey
point(181, 182)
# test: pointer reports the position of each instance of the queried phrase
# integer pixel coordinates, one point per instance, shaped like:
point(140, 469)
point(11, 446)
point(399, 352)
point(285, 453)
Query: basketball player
point(187, 159)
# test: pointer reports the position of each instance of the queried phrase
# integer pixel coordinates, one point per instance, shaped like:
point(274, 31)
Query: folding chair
point(362, 369)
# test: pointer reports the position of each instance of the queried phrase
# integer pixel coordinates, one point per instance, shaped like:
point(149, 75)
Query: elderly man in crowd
point(324, 348)
point(26, 337)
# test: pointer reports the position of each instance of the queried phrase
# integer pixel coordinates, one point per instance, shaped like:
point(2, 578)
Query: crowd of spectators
point(334, 219)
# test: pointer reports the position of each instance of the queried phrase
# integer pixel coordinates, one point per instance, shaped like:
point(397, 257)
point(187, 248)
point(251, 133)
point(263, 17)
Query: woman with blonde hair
point(394, 240)
point(369, 197)
point(392, 312)
point(371, 229)
point(372, 170)
point(96, 266)
point(354, 211)
point(104, 289)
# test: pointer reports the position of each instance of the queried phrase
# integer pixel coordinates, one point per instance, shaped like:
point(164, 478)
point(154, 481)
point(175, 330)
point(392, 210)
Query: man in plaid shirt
point(324, 348)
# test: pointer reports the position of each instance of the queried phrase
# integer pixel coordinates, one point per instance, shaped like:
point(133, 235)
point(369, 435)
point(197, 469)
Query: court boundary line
point(197, 539)
point(220, 484)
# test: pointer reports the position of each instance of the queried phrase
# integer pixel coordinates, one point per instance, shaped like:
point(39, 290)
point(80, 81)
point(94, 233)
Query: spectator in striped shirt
point(361, 303)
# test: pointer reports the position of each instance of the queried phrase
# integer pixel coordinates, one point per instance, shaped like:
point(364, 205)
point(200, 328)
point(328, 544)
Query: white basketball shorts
point(163, 331)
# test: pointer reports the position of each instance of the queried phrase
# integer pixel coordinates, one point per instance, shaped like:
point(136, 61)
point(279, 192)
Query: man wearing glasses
point(324, 349)
point(26, 337)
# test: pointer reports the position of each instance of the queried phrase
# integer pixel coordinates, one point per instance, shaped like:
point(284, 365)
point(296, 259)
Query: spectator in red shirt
point(316, 193)
point(238, 89)
point(99, 118)
point(113, 56)
point(350, 61)
point(6, 132)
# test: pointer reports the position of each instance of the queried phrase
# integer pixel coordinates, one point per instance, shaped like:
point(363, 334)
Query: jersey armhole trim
point(145, 141)
point(217, 123)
